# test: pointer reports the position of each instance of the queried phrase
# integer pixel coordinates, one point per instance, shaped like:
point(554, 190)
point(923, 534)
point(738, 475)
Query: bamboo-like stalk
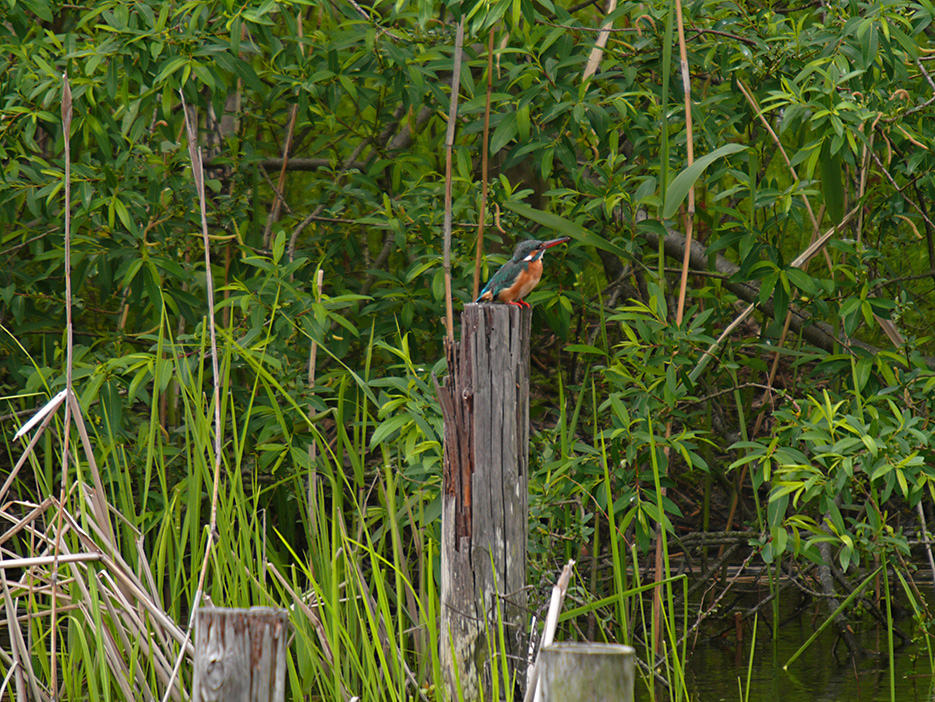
point(769, 128)
point(660, 568)
point(142, 689)
point(690, 159)
point(485, 152)
point(67, 112)
point(449, 147)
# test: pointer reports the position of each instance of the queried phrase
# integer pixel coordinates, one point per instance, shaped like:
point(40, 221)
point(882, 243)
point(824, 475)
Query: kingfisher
point(518, 276)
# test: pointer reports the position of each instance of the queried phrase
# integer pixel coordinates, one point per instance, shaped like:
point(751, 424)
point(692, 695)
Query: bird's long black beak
point(555, 242)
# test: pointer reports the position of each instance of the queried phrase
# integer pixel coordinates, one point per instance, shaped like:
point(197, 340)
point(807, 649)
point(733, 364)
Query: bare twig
point(278, 198)
point(799, 261)
point(279, 163)
point(776, 140)
point(604, 29)
point(714, 605)
point(383, 31)
point(912, 203)
point(581, 6)
point(636, 30)
point(714, 32)
point(922, 106)
point(320, 208)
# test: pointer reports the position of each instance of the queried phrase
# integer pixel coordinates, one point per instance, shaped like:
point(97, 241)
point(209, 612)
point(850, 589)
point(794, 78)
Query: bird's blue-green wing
point(494, 285)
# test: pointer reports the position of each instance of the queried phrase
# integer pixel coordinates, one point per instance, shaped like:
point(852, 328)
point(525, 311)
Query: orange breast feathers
point(525, 282)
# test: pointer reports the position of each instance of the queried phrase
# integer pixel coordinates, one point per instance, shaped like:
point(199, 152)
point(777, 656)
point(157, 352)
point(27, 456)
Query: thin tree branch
point(928, 79)
point(279, 163)
point(321, 206)
point(279, 199)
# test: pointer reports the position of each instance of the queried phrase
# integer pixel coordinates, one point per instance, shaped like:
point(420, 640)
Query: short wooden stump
point(240, 654)
point(585, 672)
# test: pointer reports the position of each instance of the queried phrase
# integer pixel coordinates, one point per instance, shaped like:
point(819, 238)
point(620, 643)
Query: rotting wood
point(240, 655)
point(485, 405)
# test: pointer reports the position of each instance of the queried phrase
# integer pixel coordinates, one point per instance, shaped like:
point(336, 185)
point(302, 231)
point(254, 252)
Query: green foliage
point(630, 415)
point(832, 466)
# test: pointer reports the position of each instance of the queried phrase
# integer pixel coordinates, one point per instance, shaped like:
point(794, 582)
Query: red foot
point(520, 303)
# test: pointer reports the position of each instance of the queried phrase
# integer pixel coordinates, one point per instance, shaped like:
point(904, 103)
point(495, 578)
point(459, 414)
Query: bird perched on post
point(518, 276)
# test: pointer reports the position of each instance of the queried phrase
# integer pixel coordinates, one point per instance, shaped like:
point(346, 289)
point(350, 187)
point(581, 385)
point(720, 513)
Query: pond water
point(823, 673)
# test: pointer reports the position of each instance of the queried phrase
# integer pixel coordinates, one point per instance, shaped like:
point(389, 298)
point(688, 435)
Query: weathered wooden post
point(583, 672)
point(485, 404)
point(240, 655)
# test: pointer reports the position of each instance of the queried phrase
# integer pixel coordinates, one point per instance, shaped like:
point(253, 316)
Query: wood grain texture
point(485, 403)
point(240, 655)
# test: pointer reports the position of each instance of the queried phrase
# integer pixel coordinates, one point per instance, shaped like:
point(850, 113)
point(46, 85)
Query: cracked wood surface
point(485, 404)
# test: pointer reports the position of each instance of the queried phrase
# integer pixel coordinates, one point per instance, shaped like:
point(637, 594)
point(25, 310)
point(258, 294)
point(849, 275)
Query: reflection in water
point(717, 668)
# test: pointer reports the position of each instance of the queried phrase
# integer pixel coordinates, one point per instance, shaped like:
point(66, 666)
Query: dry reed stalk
point(97, 496)
point(597, 53)
point(18, 650)
point(6, 680)
point(303, 607)
point(194, 153)
point(130, 617)
point(312, 446)
point(49, 411)
point(126, 645)
point(548, 632)
point(484, 165)
point(775, 137)
point(21, 524)
point(125, 601)
point(114, 661)
point(49, 560)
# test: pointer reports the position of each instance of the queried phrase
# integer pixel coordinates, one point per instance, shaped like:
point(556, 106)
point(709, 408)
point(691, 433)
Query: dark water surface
point(823, 673)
